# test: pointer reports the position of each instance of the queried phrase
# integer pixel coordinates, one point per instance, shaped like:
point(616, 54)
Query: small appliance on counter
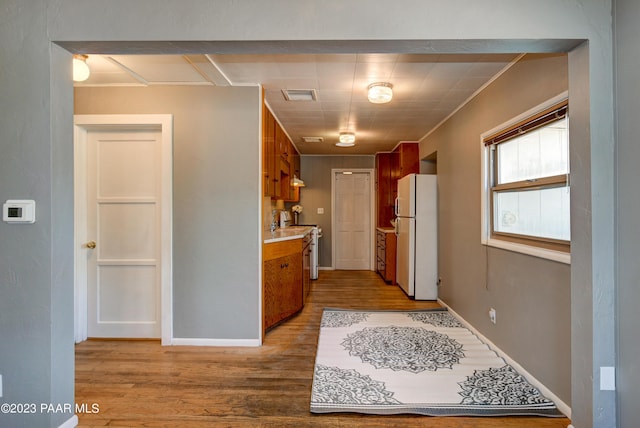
point(285, 219)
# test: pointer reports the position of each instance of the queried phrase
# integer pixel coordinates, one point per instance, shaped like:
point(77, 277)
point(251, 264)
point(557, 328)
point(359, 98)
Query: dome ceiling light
point(81, 71)
point(380, 92)
point(346, 139)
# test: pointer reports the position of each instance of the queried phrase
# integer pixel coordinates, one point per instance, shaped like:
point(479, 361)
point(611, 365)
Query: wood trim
point(276, 250)
point(534, 241)
point(537, 183)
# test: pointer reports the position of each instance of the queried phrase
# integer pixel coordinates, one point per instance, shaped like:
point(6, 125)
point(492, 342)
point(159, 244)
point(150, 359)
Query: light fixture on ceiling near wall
point(81, 71)
point(380, 92)
point(346, 139)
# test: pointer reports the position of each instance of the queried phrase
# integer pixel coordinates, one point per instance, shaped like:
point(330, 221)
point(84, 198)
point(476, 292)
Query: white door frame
point(372, 202)
point(82, 125)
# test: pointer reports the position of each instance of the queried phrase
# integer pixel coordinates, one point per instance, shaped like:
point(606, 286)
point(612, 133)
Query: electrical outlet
point(320, 210)
point(492, 315)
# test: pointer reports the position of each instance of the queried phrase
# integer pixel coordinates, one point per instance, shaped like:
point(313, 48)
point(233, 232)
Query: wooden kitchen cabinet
point(409, 159)
point(386, 254)
point(390, 167)
point(268, 153)
point(282, 293)
point(386, 191)
point(278, 159)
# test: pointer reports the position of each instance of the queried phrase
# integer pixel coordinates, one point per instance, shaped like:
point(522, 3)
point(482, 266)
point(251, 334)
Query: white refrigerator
point(417, 232)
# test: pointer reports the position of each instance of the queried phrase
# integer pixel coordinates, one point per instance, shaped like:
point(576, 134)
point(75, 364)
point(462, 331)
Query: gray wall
point(36, 112)
point(531, 295)
point(627, 16)
point(215, 271)
point(36, 260)
point(316, 173)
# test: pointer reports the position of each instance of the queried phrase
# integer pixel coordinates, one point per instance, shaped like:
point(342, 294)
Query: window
point(527, 173)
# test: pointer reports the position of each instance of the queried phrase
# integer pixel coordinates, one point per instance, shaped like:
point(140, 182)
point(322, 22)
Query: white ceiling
point(426, 89)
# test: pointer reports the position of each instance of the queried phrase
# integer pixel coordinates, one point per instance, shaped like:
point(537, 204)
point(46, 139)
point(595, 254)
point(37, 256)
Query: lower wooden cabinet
point(282, 292)
point(386, 254)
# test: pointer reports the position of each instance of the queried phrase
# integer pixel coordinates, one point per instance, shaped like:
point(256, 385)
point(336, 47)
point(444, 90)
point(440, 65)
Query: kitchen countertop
point(285, 234)
point(386, 229)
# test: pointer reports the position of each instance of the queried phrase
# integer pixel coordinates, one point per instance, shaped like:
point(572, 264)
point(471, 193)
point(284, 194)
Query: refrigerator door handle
point(396, 206)
point(396, 230)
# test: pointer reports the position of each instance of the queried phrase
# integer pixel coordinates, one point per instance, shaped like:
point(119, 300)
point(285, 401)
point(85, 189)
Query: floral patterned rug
point(422, 362)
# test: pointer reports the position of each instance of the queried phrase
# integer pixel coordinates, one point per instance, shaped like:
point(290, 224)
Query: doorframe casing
point(82, 125)
point(372, 219)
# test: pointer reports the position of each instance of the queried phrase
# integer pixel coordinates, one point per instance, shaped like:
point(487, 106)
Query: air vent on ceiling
point(299, 94)
point(312, 139)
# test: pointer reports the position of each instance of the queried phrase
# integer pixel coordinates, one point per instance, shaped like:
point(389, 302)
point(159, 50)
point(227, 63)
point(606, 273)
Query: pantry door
point(352, 219)
point(123, 242)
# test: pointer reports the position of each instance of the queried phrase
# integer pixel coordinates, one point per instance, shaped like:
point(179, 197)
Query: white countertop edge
point(285, 235)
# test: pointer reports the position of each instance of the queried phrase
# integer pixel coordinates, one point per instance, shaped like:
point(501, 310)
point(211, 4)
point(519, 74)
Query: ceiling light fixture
point(346, 139)
point(380, 92)
point(81, 71)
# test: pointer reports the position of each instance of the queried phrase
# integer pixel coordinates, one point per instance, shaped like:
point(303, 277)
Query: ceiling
point(427, 88)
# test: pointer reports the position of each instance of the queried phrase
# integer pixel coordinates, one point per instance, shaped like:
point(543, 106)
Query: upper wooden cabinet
point(409, 162)
point(269, 178)
point(278, 159)
point(386, 187)
point(390, 167)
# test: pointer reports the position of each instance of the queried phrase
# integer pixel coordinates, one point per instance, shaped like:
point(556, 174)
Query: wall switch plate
point(607, 378)
point(492, 315)
point(320, 210)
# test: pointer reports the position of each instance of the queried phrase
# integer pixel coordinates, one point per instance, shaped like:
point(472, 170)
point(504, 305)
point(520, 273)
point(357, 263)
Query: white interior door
point(352, 221)
point(123, 223)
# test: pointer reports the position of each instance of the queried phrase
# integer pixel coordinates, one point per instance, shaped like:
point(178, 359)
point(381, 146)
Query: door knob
point(91, 244)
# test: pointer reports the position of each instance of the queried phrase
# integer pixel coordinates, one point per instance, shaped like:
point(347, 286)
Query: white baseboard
point(215, 342)
point(72, 422)
point(325, 268)
point(562, 406)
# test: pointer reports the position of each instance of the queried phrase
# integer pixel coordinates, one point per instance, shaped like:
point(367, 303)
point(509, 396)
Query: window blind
point(545, 117)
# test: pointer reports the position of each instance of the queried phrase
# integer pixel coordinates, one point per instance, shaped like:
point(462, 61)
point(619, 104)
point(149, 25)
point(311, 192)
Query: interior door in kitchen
point(352, 220)
point(124, 232)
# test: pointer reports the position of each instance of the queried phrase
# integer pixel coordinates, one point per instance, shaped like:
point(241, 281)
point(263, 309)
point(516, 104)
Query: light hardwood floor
point(142, 384)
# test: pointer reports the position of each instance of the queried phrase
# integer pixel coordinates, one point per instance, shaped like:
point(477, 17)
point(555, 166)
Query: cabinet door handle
point(284, 265)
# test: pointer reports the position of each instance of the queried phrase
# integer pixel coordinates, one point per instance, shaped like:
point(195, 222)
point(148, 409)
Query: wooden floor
point(142, 384)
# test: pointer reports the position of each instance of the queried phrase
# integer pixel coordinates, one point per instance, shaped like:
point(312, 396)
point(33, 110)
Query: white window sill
point(543, 253)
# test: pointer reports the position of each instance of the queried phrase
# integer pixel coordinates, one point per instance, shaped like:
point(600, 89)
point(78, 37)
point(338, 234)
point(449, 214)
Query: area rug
point(421, 362)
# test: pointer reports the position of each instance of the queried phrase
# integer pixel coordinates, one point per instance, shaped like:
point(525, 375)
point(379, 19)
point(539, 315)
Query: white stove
point(316, 234)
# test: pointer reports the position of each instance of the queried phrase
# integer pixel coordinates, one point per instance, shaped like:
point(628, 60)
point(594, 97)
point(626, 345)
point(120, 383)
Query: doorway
point(123, 206)
point(352, 197)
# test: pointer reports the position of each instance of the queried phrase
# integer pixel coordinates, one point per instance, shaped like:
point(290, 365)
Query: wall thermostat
point(19, 211)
